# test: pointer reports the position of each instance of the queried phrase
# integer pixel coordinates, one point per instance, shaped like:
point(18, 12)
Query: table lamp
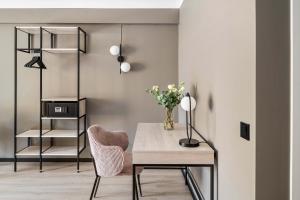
point(188, 104)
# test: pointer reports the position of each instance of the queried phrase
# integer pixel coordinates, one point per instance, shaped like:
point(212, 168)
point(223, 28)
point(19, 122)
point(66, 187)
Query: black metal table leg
point(212, 182)
point(133, 182)
point(192, 185)
point(186, 175)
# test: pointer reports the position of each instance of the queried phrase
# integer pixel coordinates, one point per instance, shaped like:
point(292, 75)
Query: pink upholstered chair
point(110, 158)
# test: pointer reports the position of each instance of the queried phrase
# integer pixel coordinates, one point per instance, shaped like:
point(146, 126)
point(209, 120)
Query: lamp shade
point(185, 103)
point(114, 50)
point(125, 67)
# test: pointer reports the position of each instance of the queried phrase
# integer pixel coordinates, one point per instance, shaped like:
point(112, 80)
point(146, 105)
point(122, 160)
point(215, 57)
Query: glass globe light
point(125, 67)
point(114, 50)
point(185, 103)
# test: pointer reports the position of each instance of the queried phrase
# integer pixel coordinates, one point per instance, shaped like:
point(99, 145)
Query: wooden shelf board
point(62, 151)
point(62, 29)
point(62, 134)
point(31, 151)
point(60, 50)
point(45, 118)
point(29, 29)
point(60, 99)
point(31, 133)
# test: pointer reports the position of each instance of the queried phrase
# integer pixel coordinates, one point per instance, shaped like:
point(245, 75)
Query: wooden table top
point(154, 145)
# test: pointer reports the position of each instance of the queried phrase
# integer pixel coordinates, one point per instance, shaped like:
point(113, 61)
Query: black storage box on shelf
point(60, 109)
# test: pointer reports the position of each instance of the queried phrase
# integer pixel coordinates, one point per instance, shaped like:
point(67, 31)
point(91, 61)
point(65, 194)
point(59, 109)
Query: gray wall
point(272, 99)
point(217, 62)
point(235, 58)
point(295, 174)
point(115, 101)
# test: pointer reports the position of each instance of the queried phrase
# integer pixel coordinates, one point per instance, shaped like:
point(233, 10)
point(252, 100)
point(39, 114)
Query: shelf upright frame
point(15, 96)
point(41, 103)
point(78, 96)
point(25, 50)
point(79, 99)
point(81, 34)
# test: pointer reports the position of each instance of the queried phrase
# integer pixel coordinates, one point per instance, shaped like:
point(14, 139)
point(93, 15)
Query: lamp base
point(185, 142)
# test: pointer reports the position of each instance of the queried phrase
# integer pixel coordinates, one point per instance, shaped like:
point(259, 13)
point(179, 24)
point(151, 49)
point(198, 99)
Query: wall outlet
point(245, 130)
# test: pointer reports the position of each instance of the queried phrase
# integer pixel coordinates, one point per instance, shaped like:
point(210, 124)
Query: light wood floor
point(59, 181)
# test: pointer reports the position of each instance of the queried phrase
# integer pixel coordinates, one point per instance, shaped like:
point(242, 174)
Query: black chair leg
point(97, 186)
point(95, 182)
point(139, 183)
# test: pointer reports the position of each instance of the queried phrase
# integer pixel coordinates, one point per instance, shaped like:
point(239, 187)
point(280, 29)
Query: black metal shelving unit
point(42, 151)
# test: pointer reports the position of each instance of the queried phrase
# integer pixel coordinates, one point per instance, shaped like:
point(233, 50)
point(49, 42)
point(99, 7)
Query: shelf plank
point(45, 118)
point(31, 133)
point(62, 151)
point(62, 134)
point(60, 99)
point(31, 151)
point(60, 50)
point(64, 30)
point(29, 29)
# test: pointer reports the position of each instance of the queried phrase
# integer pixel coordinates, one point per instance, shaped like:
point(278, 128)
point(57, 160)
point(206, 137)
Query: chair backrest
point(100, 135)
point(109, 138)
point(108, 157)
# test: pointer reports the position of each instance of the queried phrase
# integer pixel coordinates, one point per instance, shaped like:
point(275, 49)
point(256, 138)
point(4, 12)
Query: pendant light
point(116, 50)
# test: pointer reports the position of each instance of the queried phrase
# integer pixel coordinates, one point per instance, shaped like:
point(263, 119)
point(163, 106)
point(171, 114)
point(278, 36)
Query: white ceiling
point(90, 3)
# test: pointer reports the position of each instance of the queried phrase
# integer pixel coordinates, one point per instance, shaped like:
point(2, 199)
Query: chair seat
point(127, 167)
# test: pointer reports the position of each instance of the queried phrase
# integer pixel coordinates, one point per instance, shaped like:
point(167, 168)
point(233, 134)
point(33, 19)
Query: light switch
point(245, 130)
